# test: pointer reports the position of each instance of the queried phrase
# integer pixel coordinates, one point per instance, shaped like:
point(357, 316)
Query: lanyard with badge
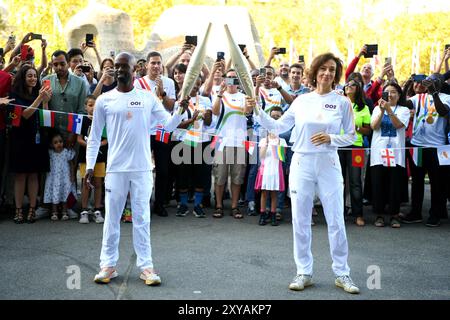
point(387, 128)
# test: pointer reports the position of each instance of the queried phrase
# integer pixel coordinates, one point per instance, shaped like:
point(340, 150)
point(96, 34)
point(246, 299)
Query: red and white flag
point(388, 157)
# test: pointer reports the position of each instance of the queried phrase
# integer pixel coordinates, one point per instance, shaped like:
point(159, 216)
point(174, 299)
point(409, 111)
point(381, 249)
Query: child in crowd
point(270, 177)
point(99, 169)
point(58, 184)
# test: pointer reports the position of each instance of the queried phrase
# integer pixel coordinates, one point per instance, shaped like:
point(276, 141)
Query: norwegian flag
point(161, 134)
point(388, 157)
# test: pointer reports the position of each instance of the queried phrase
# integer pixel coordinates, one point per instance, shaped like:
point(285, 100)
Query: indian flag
point(192, 138)
point(47, 118)
point(416, 154)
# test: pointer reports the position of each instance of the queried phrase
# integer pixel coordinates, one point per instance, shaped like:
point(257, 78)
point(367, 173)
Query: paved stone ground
point(222, 259)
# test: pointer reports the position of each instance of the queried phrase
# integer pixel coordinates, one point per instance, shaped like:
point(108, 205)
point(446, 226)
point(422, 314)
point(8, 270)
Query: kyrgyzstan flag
point(75, 123)
point(14, 115)
point(358, 158)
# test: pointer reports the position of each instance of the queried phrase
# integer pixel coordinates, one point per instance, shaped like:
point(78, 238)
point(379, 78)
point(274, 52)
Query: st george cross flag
point(444, 155)
point(75, 123)
point(388, 157)
point(161, 134)
point(47, 118)
point(14, 115)
point(416, 154)
point(250, 146)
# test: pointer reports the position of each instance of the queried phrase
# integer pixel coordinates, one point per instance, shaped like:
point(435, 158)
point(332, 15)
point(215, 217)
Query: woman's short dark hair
point(19, 86)
point(319, 61)
point(401, 94)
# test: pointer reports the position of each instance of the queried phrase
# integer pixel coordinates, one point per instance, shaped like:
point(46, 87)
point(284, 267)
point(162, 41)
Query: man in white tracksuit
point(318, 117)
point(127, 113)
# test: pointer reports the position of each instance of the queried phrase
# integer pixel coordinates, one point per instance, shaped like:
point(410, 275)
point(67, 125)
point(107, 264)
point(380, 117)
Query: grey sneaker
point(72, 214)
point(84, 217)
point(346, 283)
point(42, 212)
point(98, 216)
point(300, 282)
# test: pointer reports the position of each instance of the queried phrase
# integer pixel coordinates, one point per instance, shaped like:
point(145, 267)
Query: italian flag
point(416, 154)
point(47, 118)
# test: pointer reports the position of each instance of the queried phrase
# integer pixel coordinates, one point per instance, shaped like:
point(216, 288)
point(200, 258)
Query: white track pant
point(117, 186)
point(321, 172)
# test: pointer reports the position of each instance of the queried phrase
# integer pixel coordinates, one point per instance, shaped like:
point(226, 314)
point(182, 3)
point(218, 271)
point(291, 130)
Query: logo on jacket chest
point(135, 104)
point(330, 107)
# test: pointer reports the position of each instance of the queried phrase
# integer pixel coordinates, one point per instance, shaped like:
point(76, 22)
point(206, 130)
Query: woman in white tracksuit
point(127, 113)
point(318, 118)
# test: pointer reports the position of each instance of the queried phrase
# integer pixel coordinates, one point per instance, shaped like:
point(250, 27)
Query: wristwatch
point(164, 94)
point(279, 88)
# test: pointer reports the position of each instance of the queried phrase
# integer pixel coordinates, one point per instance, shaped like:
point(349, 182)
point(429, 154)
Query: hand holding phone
point(281, 51)
point(242, 47)
point(388, 61)
point(220, 56)
point(372, 49)
point(46, 84)
point(191, 40)
point(385, 96)
point(262, 72)
point(301, 59)
point(89, 39)
point(35, 36)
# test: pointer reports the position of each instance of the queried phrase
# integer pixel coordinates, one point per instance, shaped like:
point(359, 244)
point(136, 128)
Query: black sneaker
point(198, 212)
point(241, 203)
point(182, 210)
point(411, 219)
point(160, 211)
point(433, 222)
point(251, 212)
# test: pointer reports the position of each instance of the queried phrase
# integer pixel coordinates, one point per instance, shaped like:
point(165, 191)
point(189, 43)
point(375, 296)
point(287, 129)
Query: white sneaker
point(151, 279)
point(346, 283)
point(300, 282)
point(98, 217)
point(42, 212)
point(72, 214)
point(105, 276)
point(84, 217)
